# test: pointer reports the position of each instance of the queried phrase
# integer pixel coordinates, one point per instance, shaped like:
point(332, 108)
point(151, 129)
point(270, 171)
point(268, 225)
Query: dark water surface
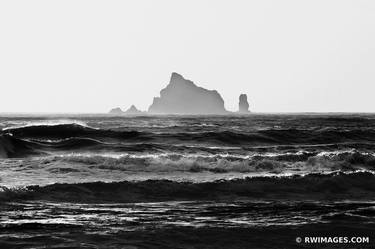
point(255, 181)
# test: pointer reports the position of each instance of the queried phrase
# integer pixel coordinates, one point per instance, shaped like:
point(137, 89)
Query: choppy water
point(109, 175)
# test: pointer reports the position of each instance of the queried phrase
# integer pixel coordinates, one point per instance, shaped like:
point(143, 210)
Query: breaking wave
point(271, 136)
point(46, 123)
point(356, 185)
point(63, 131)
point(14, 147)
point(345, 161)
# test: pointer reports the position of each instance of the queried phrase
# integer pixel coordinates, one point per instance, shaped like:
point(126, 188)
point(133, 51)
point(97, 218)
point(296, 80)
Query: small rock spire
point(243, 105)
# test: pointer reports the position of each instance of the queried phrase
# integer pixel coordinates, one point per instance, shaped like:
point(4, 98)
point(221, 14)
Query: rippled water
point(118, 182)
point(139, 216)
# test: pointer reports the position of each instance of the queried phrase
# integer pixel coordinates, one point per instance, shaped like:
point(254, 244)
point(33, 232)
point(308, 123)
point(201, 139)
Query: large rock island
point(182, 96)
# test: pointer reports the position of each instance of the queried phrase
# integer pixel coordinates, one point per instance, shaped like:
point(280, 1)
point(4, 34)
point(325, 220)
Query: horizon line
point(176, 114)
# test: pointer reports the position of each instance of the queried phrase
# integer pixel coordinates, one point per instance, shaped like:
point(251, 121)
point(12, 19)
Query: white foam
point(47, 123)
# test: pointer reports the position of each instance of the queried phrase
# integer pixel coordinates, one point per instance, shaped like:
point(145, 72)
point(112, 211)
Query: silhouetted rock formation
point(116, 111)
point(133, 111)
point(182, 96)
point(243, 105)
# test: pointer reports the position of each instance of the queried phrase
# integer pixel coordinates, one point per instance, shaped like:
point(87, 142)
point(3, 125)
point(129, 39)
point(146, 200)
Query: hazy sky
point(90, 56)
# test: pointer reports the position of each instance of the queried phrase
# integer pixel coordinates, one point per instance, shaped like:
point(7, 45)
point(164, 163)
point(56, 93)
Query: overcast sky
point(90, 56)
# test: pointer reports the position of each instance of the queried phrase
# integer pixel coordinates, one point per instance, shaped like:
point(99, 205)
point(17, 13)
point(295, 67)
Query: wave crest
point(299, 162)
point(257, 137)
point(63, 131)
point(358, 185)
point(14, 147)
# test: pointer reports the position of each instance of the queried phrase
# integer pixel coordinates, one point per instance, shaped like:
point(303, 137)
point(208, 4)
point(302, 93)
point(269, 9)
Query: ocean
point(254, 181)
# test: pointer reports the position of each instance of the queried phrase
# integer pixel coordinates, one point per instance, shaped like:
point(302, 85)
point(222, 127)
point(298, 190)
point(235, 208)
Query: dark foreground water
point(256, 181)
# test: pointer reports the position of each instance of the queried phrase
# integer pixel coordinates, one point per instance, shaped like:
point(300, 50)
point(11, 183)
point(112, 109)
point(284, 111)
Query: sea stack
point(182, 96)
point(116, 111)
point(243, 105)
point(133, 111)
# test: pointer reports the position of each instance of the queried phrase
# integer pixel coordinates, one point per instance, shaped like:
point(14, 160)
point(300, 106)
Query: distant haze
point(91, 56)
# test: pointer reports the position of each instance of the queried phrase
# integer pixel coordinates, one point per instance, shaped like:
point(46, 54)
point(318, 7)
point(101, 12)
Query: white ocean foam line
point(172, 157)
point(166, 162)
point(112, 155)
point(302, 174)
point(275, 154)
point(361, 171)
point(89, 155)
point(328, 172)
point(203, 125)
point(218, 147)
point(187, 156)
point(338, 152)
point(49, 123)
point(147, 126)
point(159, 155)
